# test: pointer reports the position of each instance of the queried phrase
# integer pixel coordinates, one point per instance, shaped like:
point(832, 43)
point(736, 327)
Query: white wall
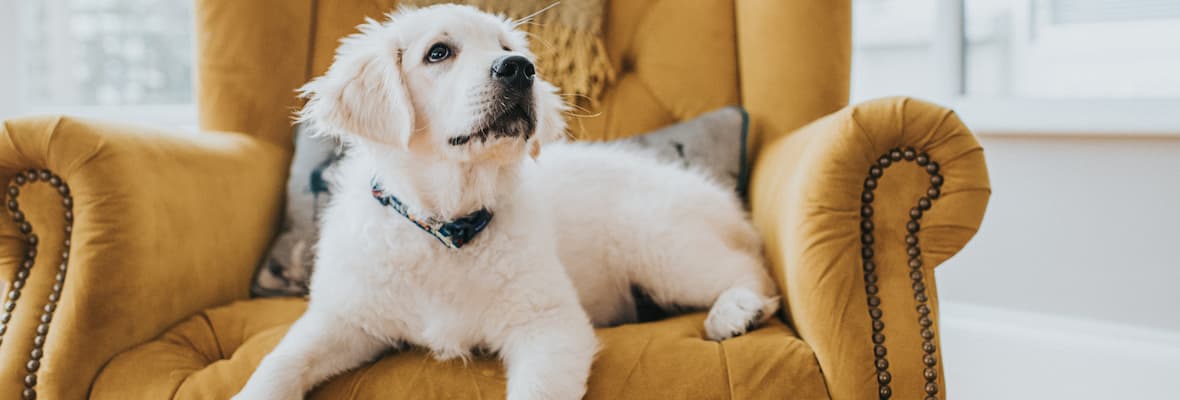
point(1071, 289)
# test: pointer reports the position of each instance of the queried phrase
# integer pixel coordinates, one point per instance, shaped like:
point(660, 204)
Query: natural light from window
point(107, 58)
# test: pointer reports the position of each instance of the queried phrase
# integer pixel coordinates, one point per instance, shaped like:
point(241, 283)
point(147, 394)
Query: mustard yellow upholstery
point(211, 355)
point(166, 227)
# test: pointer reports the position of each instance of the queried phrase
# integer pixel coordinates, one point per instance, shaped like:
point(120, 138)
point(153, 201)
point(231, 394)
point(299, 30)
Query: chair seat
point(212, 354)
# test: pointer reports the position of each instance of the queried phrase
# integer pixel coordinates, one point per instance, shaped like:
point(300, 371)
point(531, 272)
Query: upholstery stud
point(13, 191)
point(922, 159)
point(31, 174)
point(45, 175)
point(936, 180)
point(18, 216)
point(875, 171)
point(28, 394)
point(895, 155)
point(929, 374)
point(871, 289)
point(35, 354)
point(869, 266)
point(878, 326)
point(909, 154)
point(870, 183)
point(933, 193)
point(871, 278)
point(878, 338)
point(883, 377)
point(880, 351)
point(916, 275)
point(20, 179)
point(915, 213)
point(882, 364)
point(931, 388)
point(866, 238)
point(30, 380)
point(866, 225)
point(866, 211)
point(885, 392)
point(33, 365)
point(884, 161)
point(866, 197)
point(912, 226)
point(932, 168)
point(929, 360)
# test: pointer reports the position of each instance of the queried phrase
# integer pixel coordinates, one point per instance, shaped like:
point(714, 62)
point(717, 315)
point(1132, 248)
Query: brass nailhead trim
point(913, 226)
point(31, 241)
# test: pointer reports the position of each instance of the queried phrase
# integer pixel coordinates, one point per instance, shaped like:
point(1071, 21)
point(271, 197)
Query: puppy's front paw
point(737, 311)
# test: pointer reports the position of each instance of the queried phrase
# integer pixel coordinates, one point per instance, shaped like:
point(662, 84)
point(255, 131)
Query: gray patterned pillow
point(713, 143)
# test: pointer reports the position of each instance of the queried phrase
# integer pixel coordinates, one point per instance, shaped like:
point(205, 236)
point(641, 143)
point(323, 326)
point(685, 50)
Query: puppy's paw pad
point(736, 312)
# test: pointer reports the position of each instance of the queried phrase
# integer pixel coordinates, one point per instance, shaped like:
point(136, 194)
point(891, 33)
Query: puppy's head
point(449, 81)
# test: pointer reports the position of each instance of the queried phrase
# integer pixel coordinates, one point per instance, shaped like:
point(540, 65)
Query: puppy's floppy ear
point(363, 93)
point(550, 118)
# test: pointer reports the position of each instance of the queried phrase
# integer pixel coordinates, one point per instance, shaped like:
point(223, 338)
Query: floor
point(993, 353)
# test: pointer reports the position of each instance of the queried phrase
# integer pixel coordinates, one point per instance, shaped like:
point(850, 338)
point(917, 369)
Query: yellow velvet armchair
point(127, 252)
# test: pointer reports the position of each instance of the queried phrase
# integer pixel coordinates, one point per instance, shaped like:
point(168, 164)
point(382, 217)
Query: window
point(115, 59)
point(1071, 66)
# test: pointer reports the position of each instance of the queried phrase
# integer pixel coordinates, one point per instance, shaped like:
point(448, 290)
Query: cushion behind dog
point(713, 143)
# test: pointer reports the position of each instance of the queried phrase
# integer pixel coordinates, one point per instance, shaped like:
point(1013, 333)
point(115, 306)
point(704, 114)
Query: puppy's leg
point(733, 283)
point(550, 358)
point(316, 347)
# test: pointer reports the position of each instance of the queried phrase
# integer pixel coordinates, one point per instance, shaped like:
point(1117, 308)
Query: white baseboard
point(993, 353)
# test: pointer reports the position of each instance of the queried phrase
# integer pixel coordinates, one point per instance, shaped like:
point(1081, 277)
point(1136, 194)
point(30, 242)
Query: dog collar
point(453, 234)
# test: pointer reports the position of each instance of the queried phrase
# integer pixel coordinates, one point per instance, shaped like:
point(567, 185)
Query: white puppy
point(441, 109)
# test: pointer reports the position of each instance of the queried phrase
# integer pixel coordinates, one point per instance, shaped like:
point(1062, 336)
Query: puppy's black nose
point(514, 71)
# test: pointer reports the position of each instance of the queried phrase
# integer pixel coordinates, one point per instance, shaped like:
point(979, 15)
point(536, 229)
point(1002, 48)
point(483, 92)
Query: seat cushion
point(212, 354)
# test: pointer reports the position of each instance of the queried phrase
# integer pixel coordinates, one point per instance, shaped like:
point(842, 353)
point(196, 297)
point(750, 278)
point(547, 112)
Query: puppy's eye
point(505, 48)
point(438, 52)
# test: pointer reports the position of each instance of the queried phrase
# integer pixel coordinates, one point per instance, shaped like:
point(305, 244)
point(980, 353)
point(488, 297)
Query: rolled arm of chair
point(857, 208)
point(112, 233)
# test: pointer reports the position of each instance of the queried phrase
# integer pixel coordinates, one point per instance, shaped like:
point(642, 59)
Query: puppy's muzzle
point(514, 72)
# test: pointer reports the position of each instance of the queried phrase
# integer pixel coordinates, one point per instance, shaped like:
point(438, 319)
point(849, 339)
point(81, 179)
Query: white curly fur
point(573, 229)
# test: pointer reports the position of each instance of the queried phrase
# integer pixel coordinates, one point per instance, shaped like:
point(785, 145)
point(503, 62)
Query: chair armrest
point(155, 226)
point(866, 317)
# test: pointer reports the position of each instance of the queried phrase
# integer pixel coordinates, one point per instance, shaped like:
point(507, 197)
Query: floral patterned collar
point(453, 234)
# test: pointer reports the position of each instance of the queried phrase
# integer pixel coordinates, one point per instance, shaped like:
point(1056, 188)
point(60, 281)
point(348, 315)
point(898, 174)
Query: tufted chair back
point(787, 62)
